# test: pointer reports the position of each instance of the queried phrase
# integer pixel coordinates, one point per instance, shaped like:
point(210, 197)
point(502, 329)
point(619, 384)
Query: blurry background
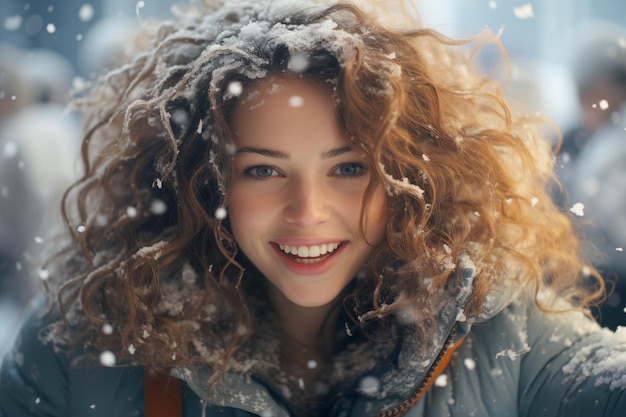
point(567, 63)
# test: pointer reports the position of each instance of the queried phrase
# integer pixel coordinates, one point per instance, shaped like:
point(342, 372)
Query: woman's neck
point(308, 335)
point(303, 325)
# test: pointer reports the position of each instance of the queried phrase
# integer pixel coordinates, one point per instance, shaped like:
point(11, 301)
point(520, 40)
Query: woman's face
point(296, 191)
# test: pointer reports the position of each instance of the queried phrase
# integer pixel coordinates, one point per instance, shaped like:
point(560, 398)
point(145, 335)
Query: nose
point(307, 203)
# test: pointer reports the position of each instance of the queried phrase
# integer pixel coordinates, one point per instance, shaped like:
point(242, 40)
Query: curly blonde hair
point(463, 174)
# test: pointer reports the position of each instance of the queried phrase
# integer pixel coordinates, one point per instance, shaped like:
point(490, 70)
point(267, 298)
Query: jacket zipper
point(419, 393)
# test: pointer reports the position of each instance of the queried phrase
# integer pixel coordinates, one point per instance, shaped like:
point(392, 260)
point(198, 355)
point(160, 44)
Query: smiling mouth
point(309, 254)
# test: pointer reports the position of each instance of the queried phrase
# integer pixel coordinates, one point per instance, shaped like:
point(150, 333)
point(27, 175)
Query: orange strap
point(161, 395)
point(441, 366)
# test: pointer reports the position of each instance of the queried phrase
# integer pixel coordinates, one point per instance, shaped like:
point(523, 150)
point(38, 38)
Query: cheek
point(240, 212)
point(248, 213)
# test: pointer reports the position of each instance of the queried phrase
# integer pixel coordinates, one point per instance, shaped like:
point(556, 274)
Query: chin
point(312, 301)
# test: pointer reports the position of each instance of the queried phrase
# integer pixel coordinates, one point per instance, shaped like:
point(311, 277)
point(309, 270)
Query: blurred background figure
point(105, 45)
point(593, 156)
point(38, 149)
point(40, 137)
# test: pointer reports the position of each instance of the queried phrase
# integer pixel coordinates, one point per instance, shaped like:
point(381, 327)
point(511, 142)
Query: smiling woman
point(296, 189)
point(293, 208)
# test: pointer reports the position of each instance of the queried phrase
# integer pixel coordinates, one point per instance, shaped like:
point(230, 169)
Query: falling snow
point(107, 358)
point(10, 150)
point(298, 62)
point(12, 23)
point(44, 274)
point(158, 207)
point(524, 12)
point(469, 363)
point(235, 88)
point(603, 104)
point(131, 212)
point(140, 5)
point(86, 12)
point(441, 381)
point(221, 213)
point(369, 385)
point(578, 209)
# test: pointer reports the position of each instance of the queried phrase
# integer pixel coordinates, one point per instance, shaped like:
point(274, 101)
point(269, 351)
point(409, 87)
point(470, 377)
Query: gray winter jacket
point(520, 362)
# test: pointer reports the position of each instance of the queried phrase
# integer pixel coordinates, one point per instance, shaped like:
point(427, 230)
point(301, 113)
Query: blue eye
point(350, 169)
point(261, 171)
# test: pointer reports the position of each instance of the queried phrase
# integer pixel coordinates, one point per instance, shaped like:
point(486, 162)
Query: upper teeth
point(309, 251)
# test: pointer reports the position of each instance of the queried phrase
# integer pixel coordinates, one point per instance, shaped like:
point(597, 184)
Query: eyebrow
point(282, 155)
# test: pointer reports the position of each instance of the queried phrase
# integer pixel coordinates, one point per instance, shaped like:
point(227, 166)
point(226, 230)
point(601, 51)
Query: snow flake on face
point(296, 101)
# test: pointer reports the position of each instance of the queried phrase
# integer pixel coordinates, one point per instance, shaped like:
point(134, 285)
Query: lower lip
point(314, 268)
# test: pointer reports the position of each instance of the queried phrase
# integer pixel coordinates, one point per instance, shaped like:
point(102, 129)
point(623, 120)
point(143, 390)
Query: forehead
point(287, 109)
point(275, 89)
point(284, 100)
